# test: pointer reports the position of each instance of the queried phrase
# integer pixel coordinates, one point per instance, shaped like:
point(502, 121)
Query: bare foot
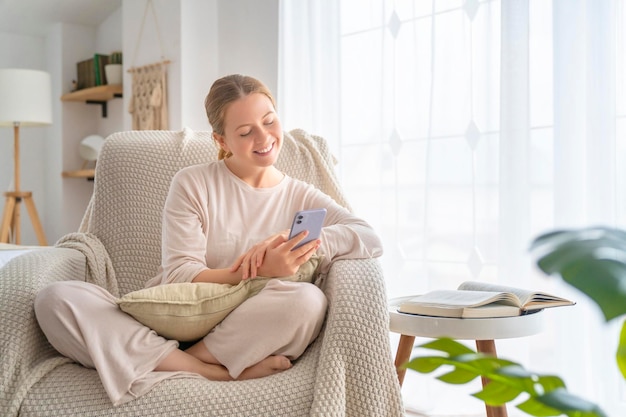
point(268, 366)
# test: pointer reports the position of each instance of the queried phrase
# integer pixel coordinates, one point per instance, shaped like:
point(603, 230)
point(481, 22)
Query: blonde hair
point(226, 90)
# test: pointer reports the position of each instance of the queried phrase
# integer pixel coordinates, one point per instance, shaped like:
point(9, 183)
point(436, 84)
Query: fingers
point(307, 250)
point(235, 266)
point(295, 241)
point(278, 252)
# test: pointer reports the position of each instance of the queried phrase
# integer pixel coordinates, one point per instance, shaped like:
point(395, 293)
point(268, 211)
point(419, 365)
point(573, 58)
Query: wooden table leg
point(489, 347)
point(405, 346)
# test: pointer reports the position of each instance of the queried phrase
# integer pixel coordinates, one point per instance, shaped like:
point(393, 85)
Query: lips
point(265, 150)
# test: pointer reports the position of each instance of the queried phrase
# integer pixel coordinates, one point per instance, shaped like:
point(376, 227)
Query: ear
point(219, 139)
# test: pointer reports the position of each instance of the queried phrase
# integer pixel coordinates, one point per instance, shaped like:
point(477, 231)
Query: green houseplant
point(591, 259)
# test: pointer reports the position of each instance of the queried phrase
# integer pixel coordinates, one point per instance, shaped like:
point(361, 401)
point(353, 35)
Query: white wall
point(202, 39)
point(199, 58)
point(248, 39)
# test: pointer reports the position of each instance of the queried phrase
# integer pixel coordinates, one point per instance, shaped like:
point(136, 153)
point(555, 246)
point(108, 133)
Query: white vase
point(113, 73)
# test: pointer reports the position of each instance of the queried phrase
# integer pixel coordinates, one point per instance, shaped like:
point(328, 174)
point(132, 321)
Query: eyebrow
point(248, 124)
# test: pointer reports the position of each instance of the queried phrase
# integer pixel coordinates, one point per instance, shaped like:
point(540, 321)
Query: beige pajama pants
point(83, 322)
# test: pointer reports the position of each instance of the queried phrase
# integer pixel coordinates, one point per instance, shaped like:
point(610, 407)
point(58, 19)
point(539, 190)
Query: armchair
point(347, 371)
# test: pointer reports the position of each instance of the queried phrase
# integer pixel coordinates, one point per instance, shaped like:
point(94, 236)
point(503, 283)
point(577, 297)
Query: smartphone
point(310, 220)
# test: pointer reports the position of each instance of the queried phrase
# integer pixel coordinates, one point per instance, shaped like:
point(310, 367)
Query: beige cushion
point(188, 311)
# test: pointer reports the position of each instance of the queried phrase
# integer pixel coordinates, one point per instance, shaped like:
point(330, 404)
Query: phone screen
point(311, 220)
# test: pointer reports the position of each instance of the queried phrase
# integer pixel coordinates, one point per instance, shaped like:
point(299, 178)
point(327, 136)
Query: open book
point(479, 300)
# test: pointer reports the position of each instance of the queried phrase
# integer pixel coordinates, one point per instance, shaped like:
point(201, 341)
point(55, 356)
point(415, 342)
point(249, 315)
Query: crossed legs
point(260, 337)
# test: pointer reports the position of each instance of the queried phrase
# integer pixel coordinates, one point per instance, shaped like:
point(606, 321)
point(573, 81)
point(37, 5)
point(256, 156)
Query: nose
point(264, 134)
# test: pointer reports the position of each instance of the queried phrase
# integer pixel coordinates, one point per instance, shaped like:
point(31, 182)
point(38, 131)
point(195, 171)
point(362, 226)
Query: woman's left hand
point(250, 261)
point(275, 256)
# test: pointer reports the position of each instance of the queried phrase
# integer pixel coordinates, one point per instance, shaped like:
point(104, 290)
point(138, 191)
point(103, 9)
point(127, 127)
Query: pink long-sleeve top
point(211, 217)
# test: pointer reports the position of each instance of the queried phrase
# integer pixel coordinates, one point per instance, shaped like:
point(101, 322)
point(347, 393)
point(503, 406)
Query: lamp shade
point(25, 97)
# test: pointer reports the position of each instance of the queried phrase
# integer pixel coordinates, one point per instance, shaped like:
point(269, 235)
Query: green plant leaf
point(534, 407)
point(497, 393)
point(549, 383)
point(621, 351)
point(447, 345)
point(570, 404)
point(489, 364)
point(592, 260)
point(425, 364)
point(547, 395)
point(458, 376)
point(602, 281)
point(515, 370)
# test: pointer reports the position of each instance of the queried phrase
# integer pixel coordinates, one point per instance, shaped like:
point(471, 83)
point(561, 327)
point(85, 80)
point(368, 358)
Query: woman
point(223, 222)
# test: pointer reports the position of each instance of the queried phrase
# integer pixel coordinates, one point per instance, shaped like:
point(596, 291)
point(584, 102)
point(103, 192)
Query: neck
point(257, 177)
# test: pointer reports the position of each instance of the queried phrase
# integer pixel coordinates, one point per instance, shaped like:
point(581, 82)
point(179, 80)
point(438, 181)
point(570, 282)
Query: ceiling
point(34, 17)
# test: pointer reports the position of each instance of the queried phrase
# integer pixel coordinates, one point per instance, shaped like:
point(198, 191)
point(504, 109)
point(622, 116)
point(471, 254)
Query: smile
point(265, 150)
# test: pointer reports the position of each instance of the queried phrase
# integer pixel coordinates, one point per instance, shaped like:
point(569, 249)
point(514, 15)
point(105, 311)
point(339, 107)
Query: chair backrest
point(133, 175)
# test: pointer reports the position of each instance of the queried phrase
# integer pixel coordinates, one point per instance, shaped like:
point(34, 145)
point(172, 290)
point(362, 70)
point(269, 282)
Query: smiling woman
point(223, 222)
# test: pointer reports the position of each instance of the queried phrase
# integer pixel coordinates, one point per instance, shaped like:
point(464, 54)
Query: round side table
point(483, 330)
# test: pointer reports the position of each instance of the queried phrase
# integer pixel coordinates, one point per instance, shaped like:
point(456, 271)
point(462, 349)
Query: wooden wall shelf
point(81, 173)
point(100, 93)
point(96, 95)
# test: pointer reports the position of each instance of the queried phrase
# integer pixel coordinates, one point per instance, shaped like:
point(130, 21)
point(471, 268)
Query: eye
point(243, 135)
point(269, 122)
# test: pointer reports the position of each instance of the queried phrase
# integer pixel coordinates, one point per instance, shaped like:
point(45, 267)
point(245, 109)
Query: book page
point(528, 299)
point(455, 298)
point(523, 295)
point(491, 310)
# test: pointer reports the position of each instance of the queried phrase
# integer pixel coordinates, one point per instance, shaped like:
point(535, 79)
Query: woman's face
point(252, 131)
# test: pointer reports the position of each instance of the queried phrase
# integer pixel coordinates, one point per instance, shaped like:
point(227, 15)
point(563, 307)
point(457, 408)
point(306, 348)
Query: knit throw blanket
point(99, 267)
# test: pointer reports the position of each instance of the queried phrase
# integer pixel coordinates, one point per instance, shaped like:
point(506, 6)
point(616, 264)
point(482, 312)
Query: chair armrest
point(356, 350)
point(25, 354)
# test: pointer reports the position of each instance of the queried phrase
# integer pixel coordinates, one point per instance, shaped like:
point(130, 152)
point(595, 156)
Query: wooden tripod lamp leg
point(7, 217)
point(34, 218)
point(11, 220)
point(11, 217)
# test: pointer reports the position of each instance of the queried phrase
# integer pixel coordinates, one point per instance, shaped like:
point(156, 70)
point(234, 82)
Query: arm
point(344, 236)
point(184, 234)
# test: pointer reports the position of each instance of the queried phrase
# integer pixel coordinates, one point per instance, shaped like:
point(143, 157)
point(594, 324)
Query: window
point(464, 129)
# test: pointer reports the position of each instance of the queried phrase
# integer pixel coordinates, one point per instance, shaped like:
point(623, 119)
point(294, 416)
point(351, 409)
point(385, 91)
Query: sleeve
point(185, 229)
point(344, 235)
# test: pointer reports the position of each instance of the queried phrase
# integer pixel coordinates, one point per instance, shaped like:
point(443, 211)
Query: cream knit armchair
point(348, 370)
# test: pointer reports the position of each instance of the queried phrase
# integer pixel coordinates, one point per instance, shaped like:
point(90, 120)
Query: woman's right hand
point(275, 257)
point(250, 261)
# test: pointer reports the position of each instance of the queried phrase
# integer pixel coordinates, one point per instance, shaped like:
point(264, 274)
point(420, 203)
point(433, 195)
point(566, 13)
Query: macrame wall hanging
point(148, 103)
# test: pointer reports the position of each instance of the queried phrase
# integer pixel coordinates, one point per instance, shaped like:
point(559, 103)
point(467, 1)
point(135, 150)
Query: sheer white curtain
point(465, 128)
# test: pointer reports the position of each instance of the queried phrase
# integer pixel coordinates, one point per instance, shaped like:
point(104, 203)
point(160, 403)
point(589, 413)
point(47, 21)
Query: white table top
point(455, 328)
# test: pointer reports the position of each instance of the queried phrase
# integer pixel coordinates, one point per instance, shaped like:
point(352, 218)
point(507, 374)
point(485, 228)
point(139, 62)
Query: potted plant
point(113, 69)
point(591, 259)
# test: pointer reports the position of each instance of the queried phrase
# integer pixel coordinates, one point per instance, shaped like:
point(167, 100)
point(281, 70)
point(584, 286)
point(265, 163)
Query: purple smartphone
point(310, 220)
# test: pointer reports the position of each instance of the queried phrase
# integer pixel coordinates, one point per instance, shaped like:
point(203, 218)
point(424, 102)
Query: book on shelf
point(90, 72)
point(100, 61)
point(83, 79)
point(480, 300)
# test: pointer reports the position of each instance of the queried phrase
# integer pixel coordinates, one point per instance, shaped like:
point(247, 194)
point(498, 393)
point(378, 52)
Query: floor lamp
point(25, 100)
